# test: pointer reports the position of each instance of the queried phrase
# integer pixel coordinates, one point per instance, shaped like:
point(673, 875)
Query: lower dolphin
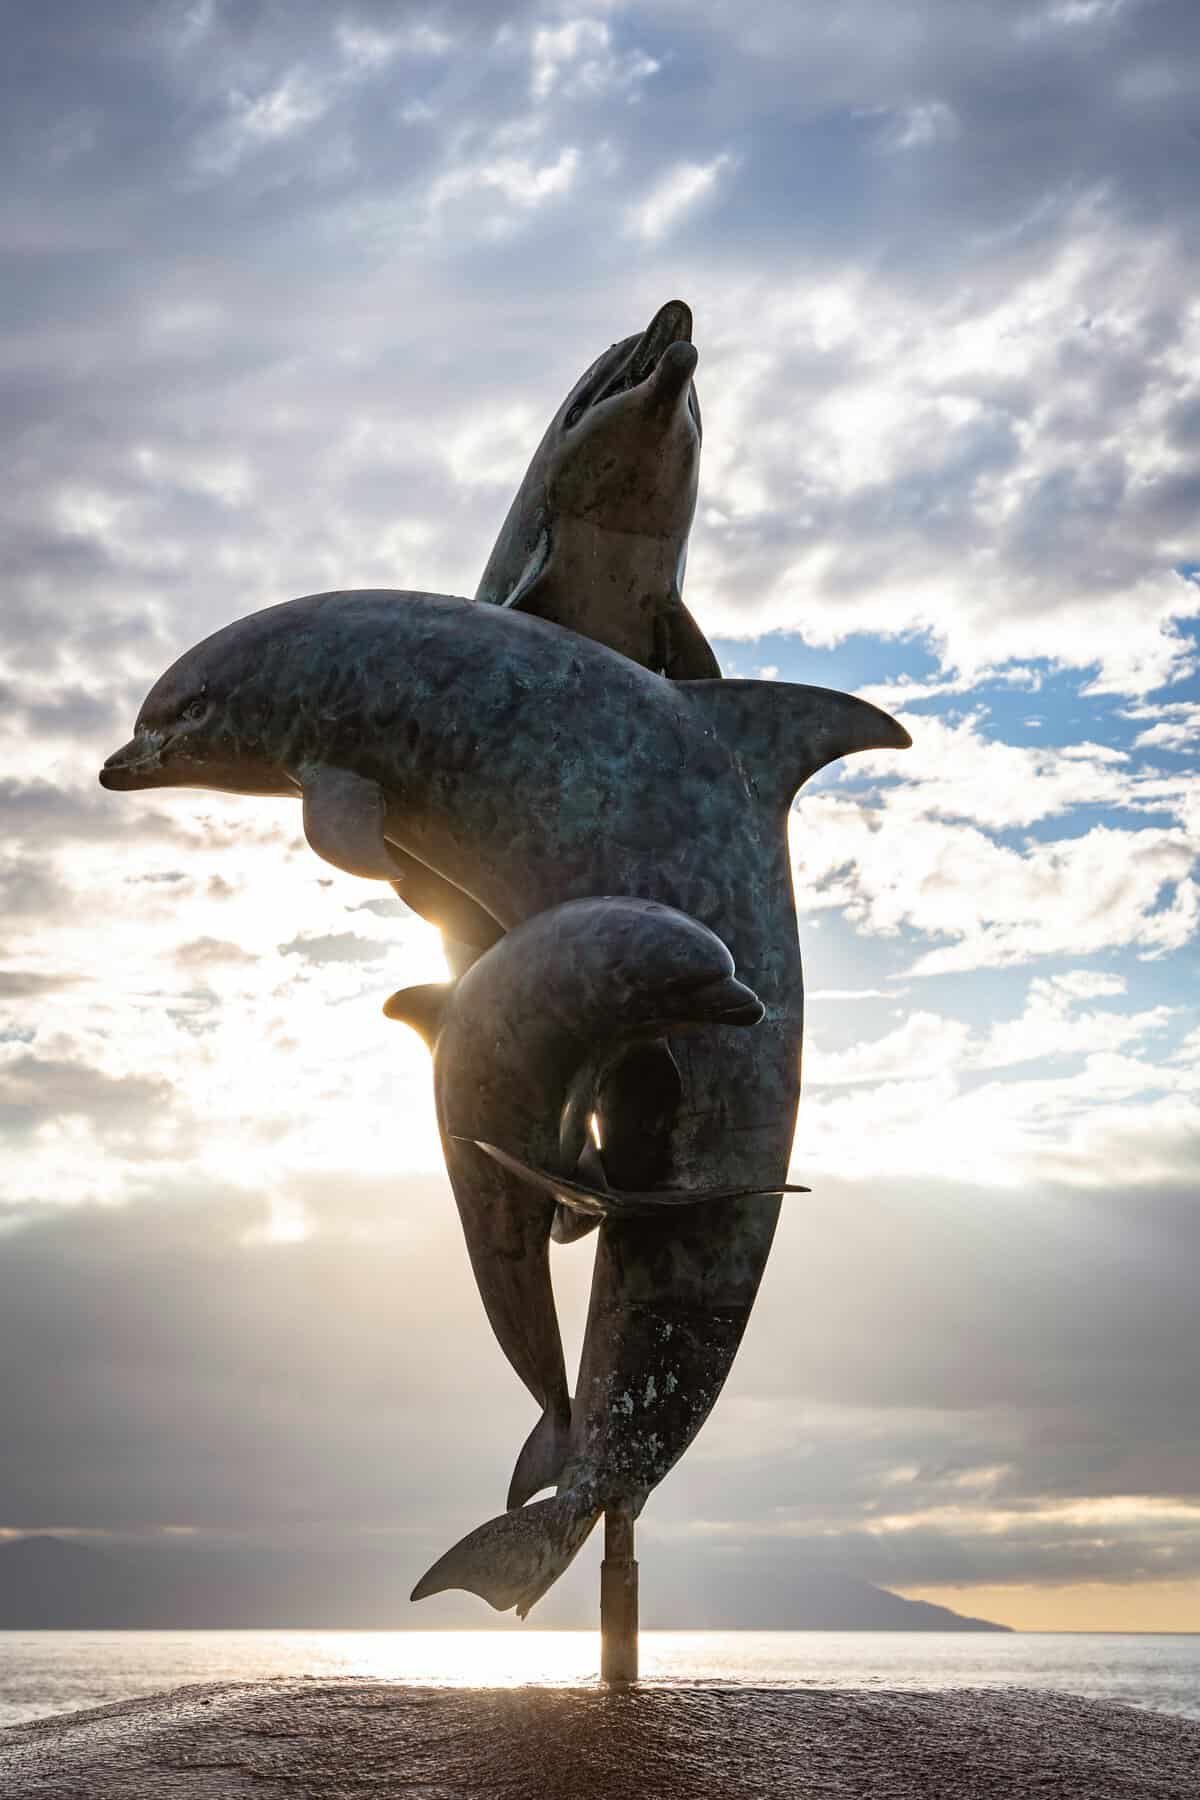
point(528, 1049)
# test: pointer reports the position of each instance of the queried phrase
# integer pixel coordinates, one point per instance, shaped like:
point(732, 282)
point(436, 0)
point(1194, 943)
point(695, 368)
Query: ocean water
point(45, 1672)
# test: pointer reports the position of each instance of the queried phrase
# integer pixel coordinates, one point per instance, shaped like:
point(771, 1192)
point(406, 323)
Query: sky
point(288, 295)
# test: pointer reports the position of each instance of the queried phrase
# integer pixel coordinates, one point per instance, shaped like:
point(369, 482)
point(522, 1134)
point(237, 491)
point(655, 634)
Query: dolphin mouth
point(725, 1001)
point(671, 324)
point(136, 764)
point(664, 358)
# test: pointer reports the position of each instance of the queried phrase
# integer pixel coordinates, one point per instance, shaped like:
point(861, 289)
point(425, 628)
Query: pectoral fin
point(441, 904)
point(462, 920)
point(590, 1167)
point(606, 1203)
point(568, 1225)
point(344, 816)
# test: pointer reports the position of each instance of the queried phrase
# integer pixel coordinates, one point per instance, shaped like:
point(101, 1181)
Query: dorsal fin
point(521, 599)
point(687, 653)
point(783, 732)
point(421, 1007)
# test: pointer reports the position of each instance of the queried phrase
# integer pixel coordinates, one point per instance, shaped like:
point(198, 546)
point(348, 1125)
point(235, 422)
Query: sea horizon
point(503, 1626)
point(44, 1672)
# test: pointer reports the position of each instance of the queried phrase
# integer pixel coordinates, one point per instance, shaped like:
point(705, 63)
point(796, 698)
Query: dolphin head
point(640, 968)
point(677, 976)
point(205, 722)
point(623, 450)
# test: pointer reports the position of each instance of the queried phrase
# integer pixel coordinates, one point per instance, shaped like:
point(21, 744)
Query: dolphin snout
point(133, 765)
point(671, 379)
point(725, 1001)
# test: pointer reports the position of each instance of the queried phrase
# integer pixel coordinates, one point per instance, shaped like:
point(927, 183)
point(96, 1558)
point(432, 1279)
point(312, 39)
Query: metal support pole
point(618, 1599)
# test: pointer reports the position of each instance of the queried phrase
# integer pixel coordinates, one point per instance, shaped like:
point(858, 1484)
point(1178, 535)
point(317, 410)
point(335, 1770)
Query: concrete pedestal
point(375, 1740)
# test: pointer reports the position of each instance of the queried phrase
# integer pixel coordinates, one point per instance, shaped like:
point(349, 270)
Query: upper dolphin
point(596, 537)
point(530, 766)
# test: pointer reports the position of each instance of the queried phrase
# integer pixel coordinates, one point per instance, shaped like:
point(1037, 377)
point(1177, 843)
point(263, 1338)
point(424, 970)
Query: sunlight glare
point(464, 1658)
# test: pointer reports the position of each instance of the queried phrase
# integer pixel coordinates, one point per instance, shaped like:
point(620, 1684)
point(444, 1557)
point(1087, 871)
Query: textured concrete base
point(342, 1740)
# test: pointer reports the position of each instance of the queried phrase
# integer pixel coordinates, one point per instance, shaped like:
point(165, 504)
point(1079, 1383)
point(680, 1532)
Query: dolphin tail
point(542, 1457)
point(783, 732)
point(514, 1558)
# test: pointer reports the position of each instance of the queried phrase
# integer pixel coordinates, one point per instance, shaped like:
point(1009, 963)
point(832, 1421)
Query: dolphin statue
point(529, 766)
point(537, 1047)
point(596, 537)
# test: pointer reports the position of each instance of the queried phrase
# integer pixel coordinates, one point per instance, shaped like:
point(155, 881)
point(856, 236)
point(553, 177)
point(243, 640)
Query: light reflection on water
point(44, 1672)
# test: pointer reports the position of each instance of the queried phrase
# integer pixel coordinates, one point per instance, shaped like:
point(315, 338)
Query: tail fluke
point(541, 1460)
point(513, 1559)
point(613, 1203)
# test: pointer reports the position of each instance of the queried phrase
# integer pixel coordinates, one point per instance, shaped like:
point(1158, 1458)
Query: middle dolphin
point(537, 1051)
point(596, 537)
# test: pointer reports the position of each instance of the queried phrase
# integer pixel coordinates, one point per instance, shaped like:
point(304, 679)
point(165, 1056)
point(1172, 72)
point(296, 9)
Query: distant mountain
point(49, 1583)
point(803, 1598)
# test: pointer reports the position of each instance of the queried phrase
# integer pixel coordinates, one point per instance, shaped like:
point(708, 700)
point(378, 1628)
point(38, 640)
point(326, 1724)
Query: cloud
point(202, 951)
point(341, 946)
point(354, 1379)
point(997, 905)
point(22, 984)
point(313, 1371)
point(993, 449)
point(517, 179)
point(934, 850)
point(679, 190)
point(937, 488)
point(36, 1092)
point(1050, 1026)
point(967, 1385)
point(579, 59)
point(1177, 726)
point(1065, 1092)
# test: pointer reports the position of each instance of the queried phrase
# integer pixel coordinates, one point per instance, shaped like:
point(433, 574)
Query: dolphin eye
point(195, 709)
point(576, 413)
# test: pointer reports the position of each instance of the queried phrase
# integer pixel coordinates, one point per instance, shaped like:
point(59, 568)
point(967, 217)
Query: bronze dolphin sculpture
point(541, 1053)
point(596, 536)
point(529, 766)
